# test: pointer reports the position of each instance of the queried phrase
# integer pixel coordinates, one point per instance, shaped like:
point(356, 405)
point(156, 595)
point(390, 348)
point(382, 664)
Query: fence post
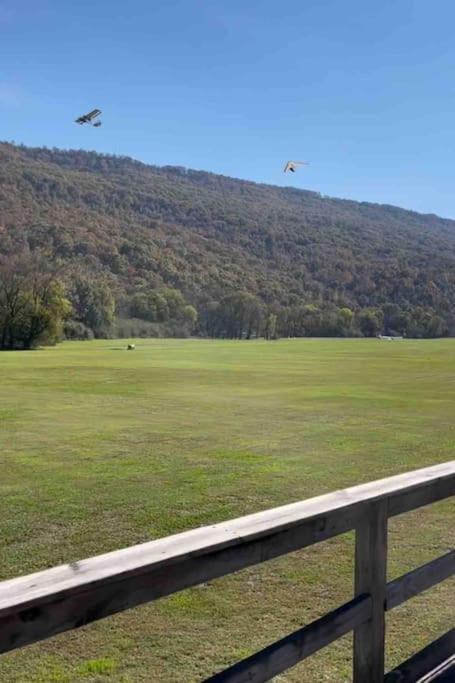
point(370, 578)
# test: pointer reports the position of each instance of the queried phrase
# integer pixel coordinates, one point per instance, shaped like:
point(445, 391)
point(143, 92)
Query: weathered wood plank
point(45, 603)
point(426, 493)
point(421, 579)
point(286, 653)
point(314, 513)
point(370, 578)
point(61, 608)
point(424, 662)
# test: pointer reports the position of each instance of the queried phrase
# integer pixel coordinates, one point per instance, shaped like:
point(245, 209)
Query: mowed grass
point(103, 448)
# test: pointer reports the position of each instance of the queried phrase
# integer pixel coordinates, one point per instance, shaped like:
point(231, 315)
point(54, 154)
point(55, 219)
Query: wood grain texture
point(370, 578)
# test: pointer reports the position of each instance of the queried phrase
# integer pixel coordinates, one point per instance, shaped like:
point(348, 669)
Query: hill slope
point(208, 236)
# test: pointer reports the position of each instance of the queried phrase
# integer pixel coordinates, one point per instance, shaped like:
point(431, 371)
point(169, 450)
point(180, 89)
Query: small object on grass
point(131, 347)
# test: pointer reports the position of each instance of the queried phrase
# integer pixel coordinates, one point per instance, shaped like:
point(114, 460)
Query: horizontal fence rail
point(436, 659)
point(43, 604)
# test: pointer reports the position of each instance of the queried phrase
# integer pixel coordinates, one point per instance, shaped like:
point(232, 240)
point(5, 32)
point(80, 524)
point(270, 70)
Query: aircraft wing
point(293, 165)
point(86, 118)
point(93, 114)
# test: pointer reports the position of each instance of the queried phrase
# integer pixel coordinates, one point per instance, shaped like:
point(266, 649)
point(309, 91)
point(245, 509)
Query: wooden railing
point(40, 605)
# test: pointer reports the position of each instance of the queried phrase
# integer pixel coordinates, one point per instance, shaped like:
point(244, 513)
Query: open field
point(102, 448)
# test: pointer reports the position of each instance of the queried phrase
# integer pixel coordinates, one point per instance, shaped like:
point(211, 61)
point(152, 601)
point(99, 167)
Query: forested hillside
point(176, 251)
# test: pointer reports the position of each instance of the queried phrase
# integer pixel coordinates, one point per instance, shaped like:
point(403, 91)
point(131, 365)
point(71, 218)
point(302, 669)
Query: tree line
point(242, 315)
point(41, 302)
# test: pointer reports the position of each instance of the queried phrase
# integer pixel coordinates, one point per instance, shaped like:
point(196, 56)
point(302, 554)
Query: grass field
point(102, 448)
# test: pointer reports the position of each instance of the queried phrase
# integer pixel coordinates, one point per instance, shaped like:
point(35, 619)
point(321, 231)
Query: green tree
point(189, 317)
point(239, 316)
point(270, 326)
point(43, 315)
point(396, 320)
point(93, 303)
point(33, 304)
point(370, 322)
point(346, 319)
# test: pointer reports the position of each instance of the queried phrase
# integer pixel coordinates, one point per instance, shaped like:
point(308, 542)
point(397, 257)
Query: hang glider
point(88, 118)
point(293, 165)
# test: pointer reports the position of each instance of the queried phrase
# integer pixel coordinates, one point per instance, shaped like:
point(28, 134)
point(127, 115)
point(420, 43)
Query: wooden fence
point(40, 605)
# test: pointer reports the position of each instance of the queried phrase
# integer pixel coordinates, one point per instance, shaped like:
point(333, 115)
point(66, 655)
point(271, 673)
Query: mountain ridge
point(58, 155)
point(209, 235)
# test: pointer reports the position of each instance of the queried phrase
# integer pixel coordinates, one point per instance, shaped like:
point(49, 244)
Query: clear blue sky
point(363, 89)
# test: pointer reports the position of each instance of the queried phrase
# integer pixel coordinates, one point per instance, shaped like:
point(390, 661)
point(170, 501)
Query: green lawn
point(103, 448)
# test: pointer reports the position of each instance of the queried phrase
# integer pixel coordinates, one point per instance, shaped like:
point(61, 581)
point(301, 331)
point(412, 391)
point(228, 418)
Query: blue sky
point(364, 90)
